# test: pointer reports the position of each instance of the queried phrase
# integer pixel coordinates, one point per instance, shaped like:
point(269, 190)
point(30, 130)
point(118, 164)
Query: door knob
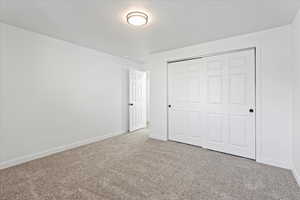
point(251, 110)
point(131, 104)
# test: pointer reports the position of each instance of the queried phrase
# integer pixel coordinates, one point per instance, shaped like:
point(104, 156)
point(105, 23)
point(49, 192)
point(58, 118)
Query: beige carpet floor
point(134, 167)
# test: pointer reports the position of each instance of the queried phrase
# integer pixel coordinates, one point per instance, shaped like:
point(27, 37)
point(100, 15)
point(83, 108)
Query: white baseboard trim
point(274, 163)
point(296, 175)
point(27, 158)
point(157, 137)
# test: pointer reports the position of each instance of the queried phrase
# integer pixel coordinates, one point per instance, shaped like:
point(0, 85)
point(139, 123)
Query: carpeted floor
point(133, 167)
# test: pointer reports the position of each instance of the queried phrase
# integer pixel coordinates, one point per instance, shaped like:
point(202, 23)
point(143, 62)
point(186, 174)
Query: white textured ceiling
point(101, 25)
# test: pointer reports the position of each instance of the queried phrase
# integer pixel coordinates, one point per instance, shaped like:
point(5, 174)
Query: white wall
point(1, 64)
point(54, 93)
point(296, 129)
point(274, 89)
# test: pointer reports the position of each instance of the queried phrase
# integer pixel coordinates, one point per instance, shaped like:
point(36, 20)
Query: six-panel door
point(137, 100)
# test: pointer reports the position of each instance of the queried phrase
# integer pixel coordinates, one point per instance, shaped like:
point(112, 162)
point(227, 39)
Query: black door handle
point(131, 104)
point(169, 106)
point(251, 110)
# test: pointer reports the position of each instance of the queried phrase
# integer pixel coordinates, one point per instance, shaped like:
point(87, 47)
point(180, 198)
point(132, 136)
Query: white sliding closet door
point(212, 102)
point(187, 101)
point(137, 100)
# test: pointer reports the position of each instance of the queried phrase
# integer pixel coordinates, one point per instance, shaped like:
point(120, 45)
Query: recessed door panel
point(194, 89)
point(238, 130)
point(214, 89)
point(194, 123)
point(237, 89)
point(180, 128)
point(215, 128)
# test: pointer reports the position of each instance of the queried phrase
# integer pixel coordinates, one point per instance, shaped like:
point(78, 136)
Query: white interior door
point(186, 102)
point(213, 102)
point(137, 100)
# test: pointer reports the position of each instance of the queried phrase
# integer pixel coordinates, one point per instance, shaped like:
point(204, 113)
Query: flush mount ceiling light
point(137, 18)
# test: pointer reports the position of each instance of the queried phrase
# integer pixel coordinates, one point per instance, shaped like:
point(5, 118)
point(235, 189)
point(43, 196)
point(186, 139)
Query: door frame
point(257, 113)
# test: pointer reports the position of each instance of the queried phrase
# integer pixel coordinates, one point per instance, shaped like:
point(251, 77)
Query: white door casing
point(211, 100)
point(137, 100)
